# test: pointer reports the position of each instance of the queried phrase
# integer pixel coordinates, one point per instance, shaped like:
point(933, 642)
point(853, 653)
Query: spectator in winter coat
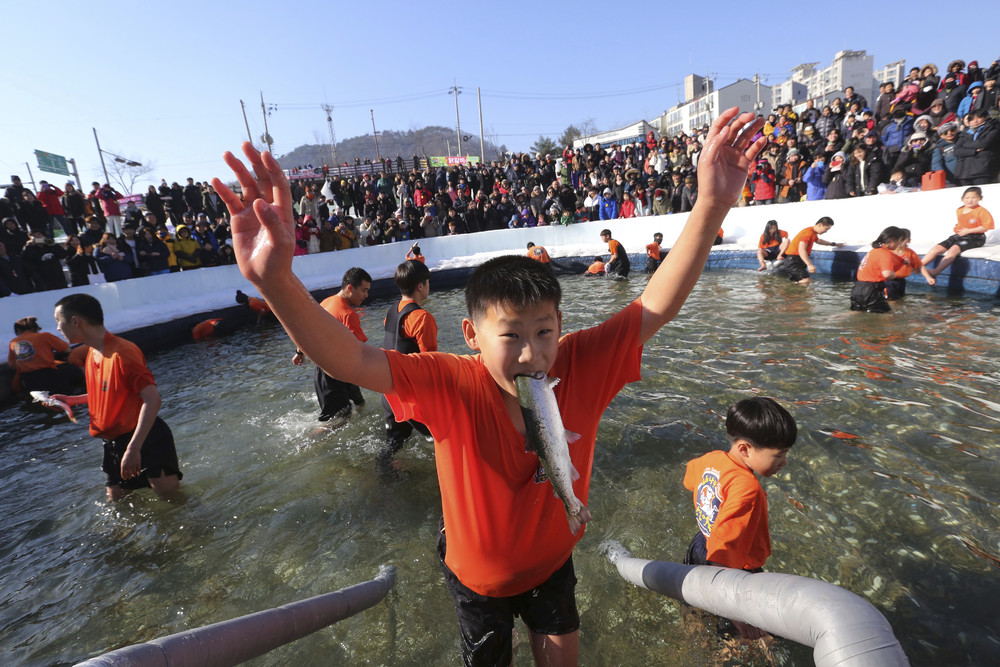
point(689, 194)
point(952, 93)
point(977, 149)
point(838, 177)
point(608, 205)
point(914, 160)
point(762, 181)
point(895, 133)
point(944, 157)
point(49, 197)
point(869, 172)
point(968, 103)
point(792, 184)
point(813, 178)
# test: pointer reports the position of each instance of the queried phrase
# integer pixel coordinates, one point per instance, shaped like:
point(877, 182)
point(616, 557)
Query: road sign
point(52, 163)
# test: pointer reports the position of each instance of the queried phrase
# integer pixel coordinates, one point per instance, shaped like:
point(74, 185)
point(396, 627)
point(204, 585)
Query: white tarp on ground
point(130, 304)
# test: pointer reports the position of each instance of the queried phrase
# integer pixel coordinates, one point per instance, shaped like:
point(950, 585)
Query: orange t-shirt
point(204, 329)
point(507, 531)
point(653, 250)
point(615, 248)
point(977, 217)
point(911, 263)
point(731, 509)
point(340, 308)
point(259, 306)
point(34, 350)
point(420, 326)
point(596, 268)
point(419, 258)
point(808, 236)
point(114, 379)
point(539, 253)
point(764, 243)
point(877, 261)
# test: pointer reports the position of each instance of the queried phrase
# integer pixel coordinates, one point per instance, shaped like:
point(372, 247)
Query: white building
point(894, 72)
point(849, 68)
point(701, 110)
point(625, 135)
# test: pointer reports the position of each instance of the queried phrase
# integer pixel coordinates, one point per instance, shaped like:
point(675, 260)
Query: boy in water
point(618, 262)
point(729, 503)
point(654, 254)
point(970, 231)
point(505, 544)
point(408, 329)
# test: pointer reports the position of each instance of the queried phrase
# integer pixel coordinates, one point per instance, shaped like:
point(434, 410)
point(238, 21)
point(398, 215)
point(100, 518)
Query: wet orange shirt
point(764, 243)
point(911, 263)
point(653, 250)
point(340, 308)
point(730, 507)
point(808, 236)
point(204, 329)
point(259, 306)
point(419, 258)
point(877, 261)
point(540, 254)
point(420, 326)
point(977, 217)
point(34, 350)
point(596, 268)
point(507, 532)
point(114, 380)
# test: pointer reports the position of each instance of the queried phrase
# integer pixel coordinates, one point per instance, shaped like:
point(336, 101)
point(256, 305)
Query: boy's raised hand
point(728, 156)
point(262, 223)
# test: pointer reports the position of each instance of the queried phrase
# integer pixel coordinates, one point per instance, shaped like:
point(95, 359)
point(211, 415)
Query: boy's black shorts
point(869, 297)
point(771, 253)
point(895, 288)
point(967, 242)
point(486, 623)
point(795, 268)
point(158, 455)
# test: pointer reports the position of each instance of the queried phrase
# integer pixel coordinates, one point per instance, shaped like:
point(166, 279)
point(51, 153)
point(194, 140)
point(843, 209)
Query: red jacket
point(50, 200)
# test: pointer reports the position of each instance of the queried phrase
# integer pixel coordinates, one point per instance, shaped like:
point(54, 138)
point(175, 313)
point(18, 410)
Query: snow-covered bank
point(154, 300)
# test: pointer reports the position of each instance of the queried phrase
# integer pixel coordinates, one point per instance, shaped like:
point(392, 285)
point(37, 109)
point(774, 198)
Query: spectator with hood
point(976, 149)
point(943, 157)
point(895, 133)
point(952, 93)
point(927, 88)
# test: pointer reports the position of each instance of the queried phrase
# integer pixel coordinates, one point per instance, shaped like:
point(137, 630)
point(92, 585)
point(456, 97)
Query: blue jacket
point(608, 208)
point(815, 189)
point(965, 106)
point(895, 134)
point(944, 158)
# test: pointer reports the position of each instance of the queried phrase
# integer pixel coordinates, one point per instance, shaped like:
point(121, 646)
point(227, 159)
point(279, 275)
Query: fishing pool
point(891, 490)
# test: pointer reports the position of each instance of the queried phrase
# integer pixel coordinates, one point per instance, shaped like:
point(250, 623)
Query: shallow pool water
point(891, 490)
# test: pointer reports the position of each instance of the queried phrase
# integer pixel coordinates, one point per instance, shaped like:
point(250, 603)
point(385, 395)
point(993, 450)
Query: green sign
point(52, 163)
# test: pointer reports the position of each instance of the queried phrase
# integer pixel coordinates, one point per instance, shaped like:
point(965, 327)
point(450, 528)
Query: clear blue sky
point(162, 82)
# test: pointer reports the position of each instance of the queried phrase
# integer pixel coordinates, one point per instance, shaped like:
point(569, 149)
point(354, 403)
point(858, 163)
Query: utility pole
point(245, 121)
point(482, 142)
point(76, 173)
point(458, 126)
point(757, 105)
point(267, 135)
point(101, 154)
point(333, 137)
point(375, 132)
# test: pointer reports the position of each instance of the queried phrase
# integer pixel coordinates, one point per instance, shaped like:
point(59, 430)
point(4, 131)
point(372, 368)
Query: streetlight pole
point(458, 126)
point(375, 132)
point(482, 142)
point(101, 153)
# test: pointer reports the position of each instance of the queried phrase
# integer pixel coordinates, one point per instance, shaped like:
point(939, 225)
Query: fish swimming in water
point(43, 398)
point(546, 436)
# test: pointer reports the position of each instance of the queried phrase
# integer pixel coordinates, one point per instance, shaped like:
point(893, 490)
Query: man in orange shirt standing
point(408, 329)
point(654, 253)
point(729, 503)
point(799, 265)
point(618, 263)
point(335, 397)
point(124, 403)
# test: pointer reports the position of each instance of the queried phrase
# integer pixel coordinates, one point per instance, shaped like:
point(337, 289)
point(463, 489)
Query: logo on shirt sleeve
point(706, 507)
point(24, 351)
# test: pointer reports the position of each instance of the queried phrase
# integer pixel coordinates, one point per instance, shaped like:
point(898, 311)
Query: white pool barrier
point(843, 629)
point(240, 639)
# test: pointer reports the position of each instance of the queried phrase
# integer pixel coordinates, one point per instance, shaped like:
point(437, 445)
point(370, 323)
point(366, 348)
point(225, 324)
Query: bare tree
point(124, 173)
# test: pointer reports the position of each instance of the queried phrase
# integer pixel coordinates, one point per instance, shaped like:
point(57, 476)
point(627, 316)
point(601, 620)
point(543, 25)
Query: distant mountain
point(428, 141)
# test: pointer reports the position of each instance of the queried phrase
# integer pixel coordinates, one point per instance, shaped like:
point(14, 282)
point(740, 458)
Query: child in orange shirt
point(879, 265)
point(970, 231)
point(596, 268)
point(654, 254)
point(730, 505)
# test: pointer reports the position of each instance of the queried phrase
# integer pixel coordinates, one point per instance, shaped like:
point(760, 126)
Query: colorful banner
point(449, 160)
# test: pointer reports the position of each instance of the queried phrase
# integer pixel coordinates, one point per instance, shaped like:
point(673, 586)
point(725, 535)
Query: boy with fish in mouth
point(506, 542)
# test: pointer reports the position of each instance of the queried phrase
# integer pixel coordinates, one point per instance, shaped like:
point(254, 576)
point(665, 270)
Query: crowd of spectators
point(943, 124)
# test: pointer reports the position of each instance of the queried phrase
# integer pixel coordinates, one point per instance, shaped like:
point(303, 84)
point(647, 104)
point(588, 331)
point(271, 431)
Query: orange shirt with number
point(539, 254)
point(34, 350)
point(731, 510)
point(114, 379)
point(977, 217)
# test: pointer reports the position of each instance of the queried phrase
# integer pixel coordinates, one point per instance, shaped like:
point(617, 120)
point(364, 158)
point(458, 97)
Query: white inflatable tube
point(842, 628)
point(240, 639)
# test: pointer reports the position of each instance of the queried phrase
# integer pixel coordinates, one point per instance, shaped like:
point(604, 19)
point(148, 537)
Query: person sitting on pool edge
point(490, 487)
point(970, 232)
point(799, 265)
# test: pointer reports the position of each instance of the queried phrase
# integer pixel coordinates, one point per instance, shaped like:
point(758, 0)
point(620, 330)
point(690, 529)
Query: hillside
point(427, 141)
